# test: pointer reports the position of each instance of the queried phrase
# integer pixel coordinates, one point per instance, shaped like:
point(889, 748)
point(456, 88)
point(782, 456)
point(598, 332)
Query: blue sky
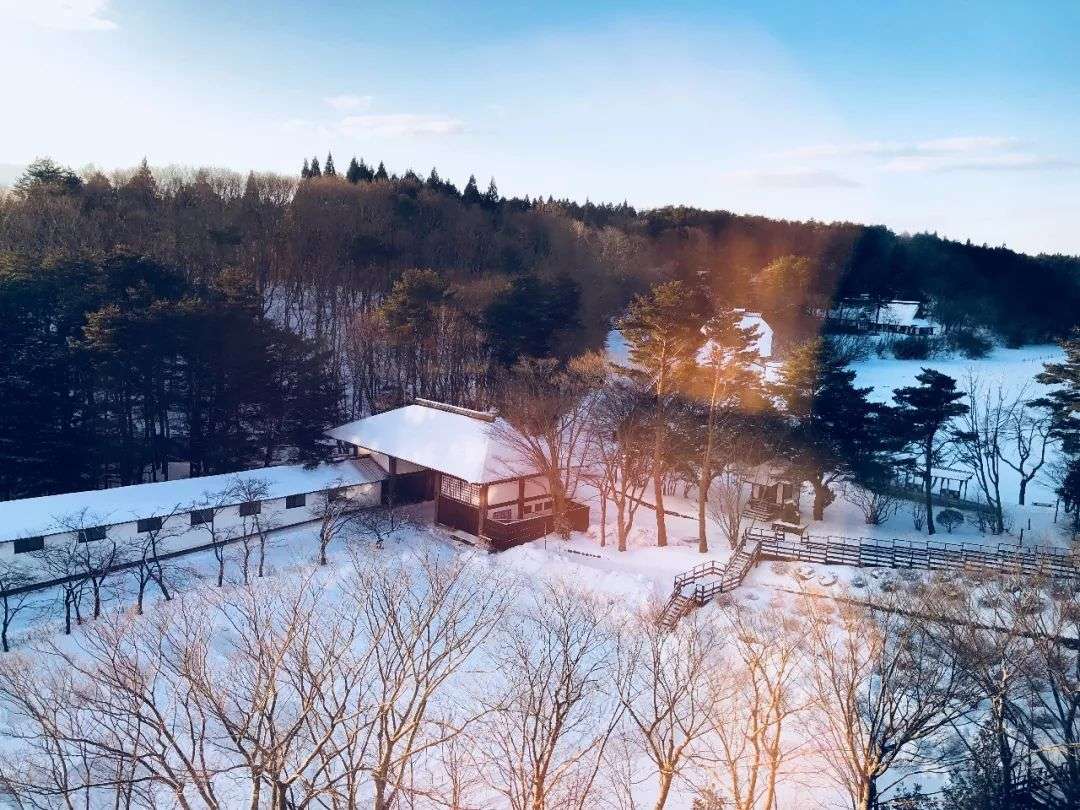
point(955, 117)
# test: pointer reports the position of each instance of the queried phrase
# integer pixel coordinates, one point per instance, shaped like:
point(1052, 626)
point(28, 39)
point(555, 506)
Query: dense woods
point(147, 310)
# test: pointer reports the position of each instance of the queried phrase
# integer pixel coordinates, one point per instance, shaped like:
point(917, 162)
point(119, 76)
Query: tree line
point(695, 410)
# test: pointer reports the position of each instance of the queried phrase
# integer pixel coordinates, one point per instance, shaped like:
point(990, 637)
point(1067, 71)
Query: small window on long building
point(92, 533)
point(148, 525)
point(250, 508)
point(24, 545)
point(295, 501)
point(200, 516)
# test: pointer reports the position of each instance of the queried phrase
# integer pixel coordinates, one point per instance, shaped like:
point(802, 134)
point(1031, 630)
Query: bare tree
point(551, 719)
point(255, 526)
point(62, 563)
point(875, 501)
point(205, 517)
point(980, 442)
point(1028, 430)
point(545, 409)
point(379, 523)
point(619, 437)
point(428, 619)
point(727, 503)
point(336, 514)
point(883, 691)
point(14, 596)
point(752, 715)
point(666, 684)
point(145, 552)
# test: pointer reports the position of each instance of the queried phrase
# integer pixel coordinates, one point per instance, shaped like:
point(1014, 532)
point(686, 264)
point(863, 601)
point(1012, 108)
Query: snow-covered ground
point(643, 575)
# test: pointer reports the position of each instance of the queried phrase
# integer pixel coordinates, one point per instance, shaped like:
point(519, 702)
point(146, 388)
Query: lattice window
point(460, 490)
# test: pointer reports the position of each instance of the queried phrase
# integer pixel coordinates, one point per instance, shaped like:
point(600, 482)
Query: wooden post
point(391, 479)
point(438, 494)
point(521, 498)
point(482, 510)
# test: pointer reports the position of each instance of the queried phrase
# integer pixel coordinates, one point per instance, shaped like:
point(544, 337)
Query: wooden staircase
point(691, 592)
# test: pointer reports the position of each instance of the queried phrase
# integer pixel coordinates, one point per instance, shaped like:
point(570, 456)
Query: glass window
point(148, 524)
point(294, 501)
point(250, 508)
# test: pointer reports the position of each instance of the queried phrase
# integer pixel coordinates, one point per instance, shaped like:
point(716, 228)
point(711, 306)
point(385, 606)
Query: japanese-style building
point(461, 459)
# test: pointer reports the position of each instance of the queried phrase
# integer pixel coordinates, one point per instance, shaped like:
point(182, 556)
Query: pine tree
point(491, 198)
point(305, 172)
point(366, 174)
point(835, 431)
point(923, 413)
point(663, 331)
point(730, 385)
point(471, 194)
point(352, 174)
point(1063, 404)
point(328, 167)
point(315, 170)
point(380, 173)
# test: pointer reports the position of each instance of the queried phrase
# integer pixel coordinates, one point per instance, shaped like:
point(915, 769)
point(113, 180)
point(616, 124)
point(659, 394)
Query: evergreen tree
point(305, 172)
point(923, 412)
point(352, 174)
point(491, 197)
point(366, 173)
point(663, 330)
point(471, 194)
point(835, 431)
point(727, 381)
point(1063, 404)
point(527, 317)
point(315, 170)
point(380, 173)
point(328, 167)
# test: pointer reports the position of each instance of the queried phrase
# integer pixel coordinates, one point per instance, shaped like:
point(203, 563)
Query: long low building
point(180, 510)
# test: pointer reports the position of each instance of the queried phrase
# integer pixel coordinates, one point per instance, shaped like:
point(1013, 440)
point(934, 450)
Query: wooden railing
point(867, 552)
point(729, 575)
point(506, 534)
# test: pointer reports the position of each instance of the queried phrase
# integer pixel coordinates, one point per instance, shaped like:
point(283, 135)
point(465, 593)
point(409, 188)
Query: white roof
point(453, 443)
point(51, 514)
point(900, 313)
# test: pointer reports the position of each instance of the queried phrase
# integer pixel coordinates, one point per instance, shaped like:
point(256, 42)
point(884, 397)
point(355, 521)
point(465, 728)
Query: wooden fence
point(867, 552)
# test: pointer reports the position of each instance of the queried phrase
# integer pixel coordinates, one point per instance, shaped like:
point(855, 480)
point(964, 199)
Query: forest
point(148, 310)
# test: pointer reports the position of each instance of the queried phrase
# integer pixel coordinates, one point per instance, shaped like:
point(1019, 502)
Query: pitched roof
point(470, 447)
point(51, 514)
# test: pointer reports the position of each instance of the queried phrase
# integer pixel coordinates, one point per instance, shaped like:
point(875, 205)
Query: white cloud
point(65, 15)
point(797, 178)
point(398, 125)
point(347, 101)
point(959, 145)
point(1014, 162)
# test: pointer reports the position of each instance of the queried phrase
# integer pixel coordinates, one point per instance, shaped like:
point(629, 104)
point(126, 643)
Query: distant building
point(864, 315)
point(178, 509)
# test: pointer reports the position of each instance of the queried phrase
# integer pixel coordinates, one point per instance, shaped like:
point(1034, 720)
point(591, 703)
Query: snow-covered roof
point(454, 443)
point(51, 514)
point(900, 313)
